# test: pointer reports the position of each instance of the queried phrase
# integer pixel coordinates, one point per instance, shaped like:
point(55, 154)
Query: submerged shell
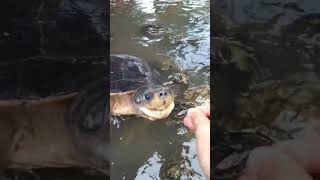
point(40, 77)
point(128, 73)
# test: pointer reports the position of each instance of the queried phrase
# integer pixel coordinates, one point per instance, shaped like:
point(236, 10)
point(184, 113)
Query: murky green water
point(171, 36)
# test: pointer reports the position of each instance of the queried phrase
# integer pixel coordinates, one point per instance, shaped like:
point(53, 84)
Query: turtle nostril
point(163, 94)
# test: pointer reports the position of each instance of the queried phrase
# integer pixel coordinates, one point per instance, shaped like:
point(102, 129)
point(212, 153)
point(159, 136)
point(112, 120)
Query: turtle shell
point(128, 73)
point(39, 50)
point(39, 77)
point(59, 28)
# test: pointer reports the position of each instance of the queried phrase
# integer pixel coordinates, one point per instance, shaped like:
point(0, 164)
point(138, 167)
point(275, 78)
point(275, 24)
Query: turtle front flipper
point(6, 139)
point(89, 125)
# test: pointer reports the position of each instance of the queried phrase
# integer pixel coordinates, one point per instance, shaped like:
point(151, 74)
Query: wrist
point(203, 130)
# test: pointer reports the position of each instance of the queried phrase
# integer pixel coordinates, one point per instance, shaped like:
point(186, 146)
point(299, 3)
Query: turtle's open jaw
point(153, 102)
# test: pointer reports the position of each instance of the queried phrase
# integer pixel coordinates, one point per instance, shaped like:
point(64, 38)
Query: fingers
point(195, 118)
point(188, 123)
point(305, 151)
point(197, 115)
point(268, 163)
point(205, 110)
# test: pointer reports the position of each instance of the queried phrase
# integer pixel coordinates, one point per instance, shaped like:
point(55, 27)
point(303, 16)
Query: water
point(265, 40)
point(172, 36)
point(283, 37)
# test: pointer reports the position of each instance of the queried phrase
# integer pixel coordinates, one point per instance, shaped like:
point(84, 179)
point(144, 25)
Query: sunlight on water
point(151, 169)
point(185, 27)
point(147, 6)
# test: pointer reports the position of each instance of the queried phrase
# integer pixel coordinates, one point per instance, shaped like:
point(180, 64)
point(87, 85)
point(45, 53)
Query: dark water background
point(283, 38)
point(260, 40)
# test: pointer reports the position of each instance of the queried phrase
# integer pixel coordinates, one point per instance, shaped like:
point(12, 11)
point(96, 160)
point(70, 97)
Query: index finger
point(205, 110)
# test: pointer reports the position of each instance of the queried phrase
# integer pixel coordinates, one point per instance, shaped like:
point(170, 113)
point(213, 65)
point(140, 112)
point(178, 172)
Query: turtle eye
point(148, 96)
point(143, 97)
point(139, 99)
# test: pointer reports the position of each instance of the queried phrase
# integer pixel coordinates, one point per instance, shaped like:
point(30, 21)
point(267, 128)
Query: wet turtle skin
point(36, 79)
point(86, 119)
point(136, 90)
point(50, 49)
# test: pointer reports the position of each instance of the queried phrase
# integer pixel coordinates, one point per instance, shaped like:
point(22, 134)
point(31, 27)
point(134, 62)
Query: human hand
point(294, 159)
point(198, 118)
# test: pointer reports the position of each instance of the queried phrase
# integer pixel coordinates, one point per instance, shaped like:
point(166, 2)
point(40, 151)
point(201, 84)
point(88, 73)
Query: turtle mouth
point(153, 102)
point(155, 114)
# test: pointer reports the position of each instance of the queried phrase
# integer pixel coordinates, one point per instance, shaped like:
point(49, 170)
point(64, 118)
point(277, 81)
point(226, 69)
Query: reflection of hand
point(197, 120)
point(287, 160)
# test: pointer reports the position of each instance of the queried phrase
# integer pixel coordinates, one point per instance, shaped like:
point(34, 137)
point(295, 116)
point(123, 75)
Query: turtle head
point(153, 101)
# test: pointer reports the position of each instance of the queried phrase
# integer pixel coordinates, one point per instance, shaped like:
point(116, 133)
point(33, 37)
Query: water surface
point(172, 36)
point(262, 40)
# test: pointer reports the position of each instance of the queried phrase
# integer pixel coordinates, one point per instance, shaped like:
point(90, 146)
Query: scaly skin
point(134, 102)
point(69, 130)
point(49, 132)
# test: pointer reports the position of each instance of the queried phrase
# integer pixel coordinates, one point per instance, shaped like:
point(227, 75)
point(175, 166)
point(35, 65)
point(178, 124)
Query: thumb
point(196, 117)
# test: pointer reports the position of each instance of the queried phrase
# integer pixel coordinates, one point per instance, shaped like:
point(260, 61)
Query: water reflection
point(183, 35)
point(171, 33)
point(151, 169)
point(272, 40)
point(147, 6)
point(275, 29)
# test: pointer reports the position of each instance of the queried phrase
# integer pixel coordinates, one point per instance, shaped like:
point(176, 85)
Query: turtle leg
point(88, 122)
point(6, 139)
point(90, 109)
point(21, 129)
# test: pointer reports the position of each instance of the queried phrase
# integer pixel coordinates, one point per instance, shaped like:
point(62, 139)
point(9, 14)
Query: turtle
point(54, 110)
point(134, 89)
point(46, 107)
